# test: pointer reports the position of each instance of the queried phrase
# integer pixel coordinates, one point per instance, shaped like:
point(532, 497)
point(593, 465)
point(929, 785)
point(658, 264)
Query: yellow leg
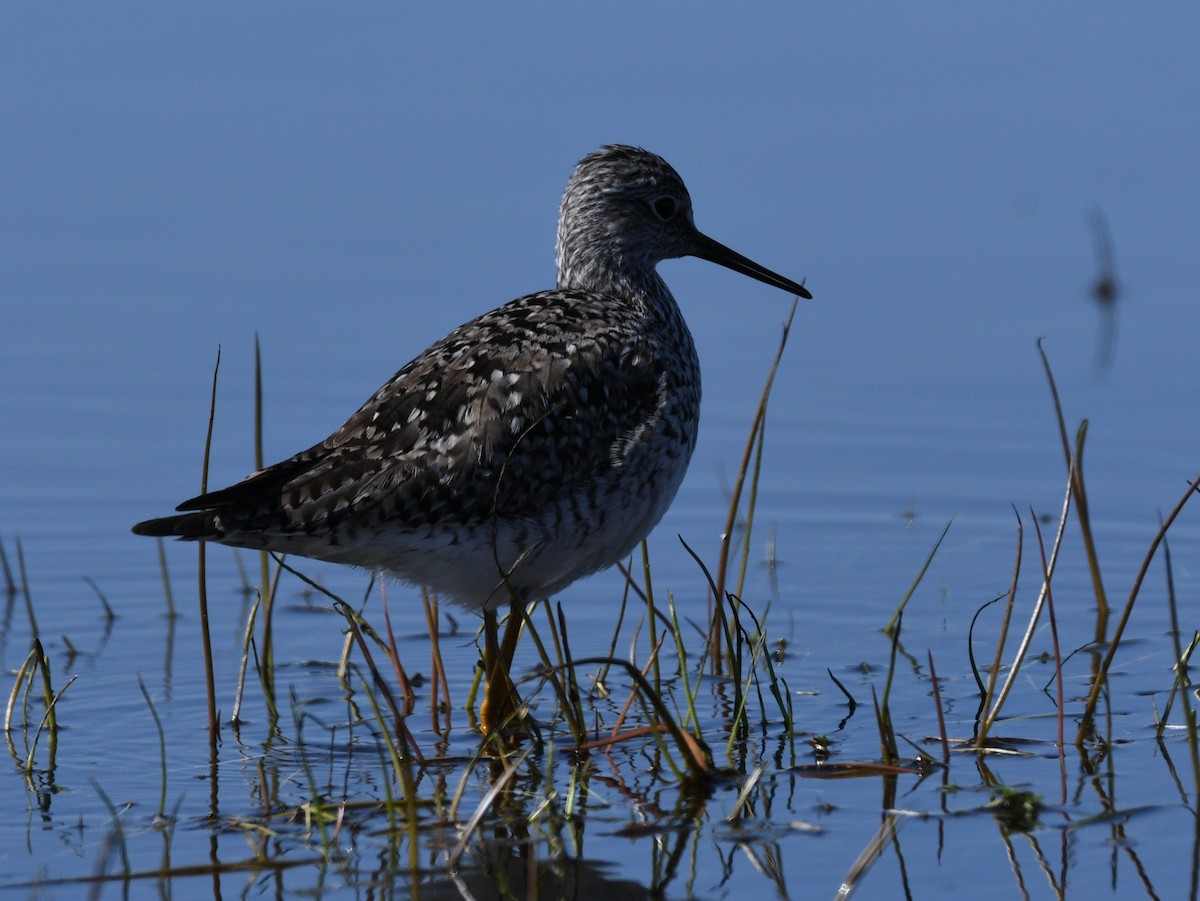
point(499, 696)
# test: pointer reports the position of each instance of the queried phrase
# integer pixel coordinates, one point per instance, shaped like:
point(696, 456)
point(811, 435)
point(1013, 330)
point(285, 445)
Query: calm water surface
point(175, 186)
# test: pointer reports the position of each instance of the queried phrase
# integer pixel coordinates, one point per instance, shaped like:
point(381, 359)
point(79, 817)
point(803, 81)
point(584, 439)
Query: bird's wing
point(519, 405)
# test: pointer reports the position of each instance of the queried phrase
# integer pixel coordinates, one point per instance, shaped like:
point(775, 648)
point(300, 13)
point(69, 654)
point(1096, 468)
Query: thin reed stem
point(752, 439)
point(1089, 709)
point(202, 574)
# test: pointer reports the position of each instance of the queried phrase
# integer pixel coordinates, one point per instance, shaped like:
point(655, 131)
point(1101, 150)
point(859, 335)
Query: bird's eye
point(665, 208)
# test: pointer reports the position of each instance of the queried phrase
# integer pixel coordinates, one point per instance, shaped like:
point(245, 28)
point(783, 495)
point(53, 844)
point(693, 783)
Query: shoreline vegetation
point(694, 727)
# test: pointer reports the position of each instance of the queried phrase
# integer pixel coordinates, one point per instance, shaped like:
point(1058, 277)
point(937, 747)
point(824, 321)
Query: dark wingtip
point(189, 526)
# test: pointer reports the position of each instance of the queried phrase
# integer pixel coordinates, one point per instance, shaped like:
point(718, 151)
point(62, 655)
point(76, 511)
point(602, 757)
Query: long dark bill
point(715, 252)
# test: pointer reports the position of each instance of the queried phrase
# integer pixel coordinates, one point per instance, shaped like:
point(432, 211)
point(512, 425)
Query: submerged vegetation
point(683, 737)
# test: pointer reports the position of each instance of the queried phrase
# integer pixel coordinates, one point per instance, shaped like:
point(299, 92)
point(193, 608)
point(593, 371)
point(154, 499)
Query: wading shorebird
point(531, 446)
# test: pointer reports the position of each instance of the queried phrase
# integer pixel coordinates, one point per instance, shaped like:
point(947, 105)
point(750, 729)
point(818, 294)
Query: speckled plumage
point(531, 446)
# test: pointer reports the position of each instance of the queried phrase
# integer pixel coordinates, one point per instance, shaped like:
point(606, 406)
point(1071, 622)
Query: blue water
point(351, 184)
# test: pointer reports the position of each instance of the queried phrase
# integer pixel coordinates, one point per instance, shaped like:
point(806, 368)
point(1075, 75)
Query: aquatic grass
point(315, 807)
point(1027, 639)
point(721, 641)
point(740, 645)
point(759, 658)
point(165, 572)
point(264, 654)
point(247, 648)
point(117, 835)
point(440, 701)
point(1086, 724)
point(109, 613)
point(210, 686)
point(1182, 677)
point(25, 593)
point(1189, 723)
point(1181, 685)
point(24, 679)
point(393, 653)
point(1059, 696)
point(559, 668)
point(485, 806)
point(942, 736)
point(1074, 462)
point(530, 804)
point(35, 665)
point(355, 623)
point(263, 664)
point(1101, 680)
point(1078, 492)
point(893, 624)
point(615, 733)
point(358, 630)
point(693, 760)
point(746, 472)
point(473, 691)
point(573, 706)
point(851, 702)
point(991, 701)
point(697, 760)
point(987, 694)
point(267, 585)
point(600, 679)
point(160, 813)
point(889, 750)
point(886, 833)
point(651, 612)
point(691, 688)
point(400, 760)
